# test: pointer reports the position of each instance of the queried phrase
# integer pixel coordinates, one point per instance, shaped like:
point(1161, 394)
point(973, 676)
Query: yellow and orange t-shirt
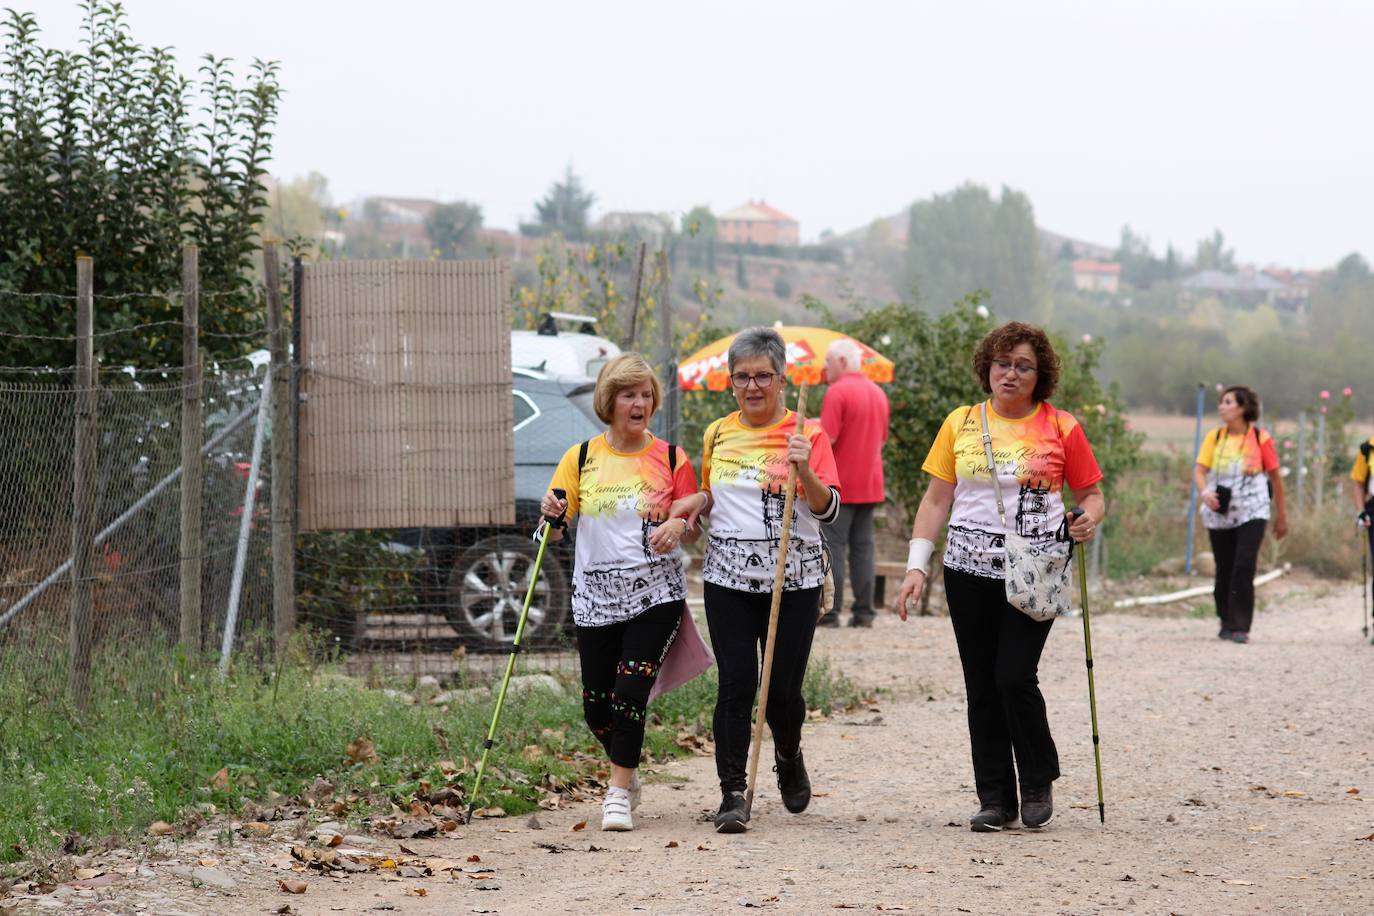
point(1238, 462)
point(621, 498)
point(746, 471)
point(1035, 456)
point(1359, 471)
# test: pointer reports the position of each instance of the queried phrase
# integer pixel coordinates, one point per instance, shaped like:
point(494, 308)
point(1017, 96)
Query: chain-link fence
point(135, 496)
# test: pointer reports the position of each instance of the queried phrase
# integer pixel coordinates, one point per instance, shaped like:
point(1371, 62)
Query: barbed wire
point(169, 298)
point(261, 332)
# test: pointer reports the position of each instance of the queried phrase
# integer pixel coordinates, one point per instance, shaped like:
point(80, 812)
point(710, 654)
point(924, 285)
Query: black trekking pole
point(1092, 692)
point(541, 534)
point(1360, 529)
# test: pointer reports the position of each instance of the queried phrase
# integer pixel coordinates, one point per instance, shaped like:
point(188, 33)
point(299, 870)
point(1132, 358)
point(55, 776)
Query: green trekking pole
point(542, 535)
point(1092, 692)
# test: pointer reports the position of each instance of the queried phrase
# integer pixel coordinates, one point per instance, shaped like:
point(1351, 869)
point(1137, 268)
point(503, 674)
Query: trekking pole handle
point(560, 520)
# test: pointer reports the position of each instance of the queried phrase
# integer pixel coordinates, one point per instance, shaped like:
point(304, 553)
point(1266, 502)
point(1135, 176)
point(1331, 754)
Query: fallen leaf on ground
point(580, 825)
point(291, 887)
point(417, 892)
point(1352, 791)
point(1294, 793)
point(474, 858)
point(672, 844)
point(1256, 828)
point(334, 840)
point(361, 751)
point(220, 781)
point(1237, 881)
point(160, 828)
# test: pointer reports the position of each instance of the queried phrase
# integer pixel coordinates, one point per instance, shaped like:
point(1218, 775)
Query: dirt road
point(1236, 778)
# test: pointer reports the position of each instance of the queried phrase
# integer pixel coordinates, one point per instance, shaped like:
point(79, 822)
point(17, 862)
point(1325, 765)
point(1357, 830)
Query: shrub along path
point(1236, 780)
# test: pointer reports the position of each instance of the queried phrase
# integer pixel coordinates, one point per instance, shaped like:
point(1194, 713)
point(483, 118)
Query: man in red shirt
point(854, 416)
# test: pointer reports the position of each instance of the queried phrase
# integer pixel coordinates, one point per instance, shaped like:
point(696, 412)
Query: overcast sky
point(1174, 117)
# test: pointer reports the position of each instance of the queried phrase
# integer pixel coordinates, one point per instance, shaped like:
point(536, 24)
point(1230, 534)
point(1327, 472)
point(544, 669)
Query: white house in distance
point(1091, 276)
point(756, 223)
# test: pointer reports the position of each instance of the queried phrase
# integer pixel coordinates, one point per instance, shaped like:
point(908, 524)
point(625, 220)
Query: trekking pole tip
point(1102, 812)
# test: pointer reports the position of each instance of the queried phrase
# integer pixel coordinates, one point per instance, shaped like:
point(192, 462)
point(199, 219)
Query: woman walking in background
point(1237, 473)
point(629, 592)
point(1037, 451)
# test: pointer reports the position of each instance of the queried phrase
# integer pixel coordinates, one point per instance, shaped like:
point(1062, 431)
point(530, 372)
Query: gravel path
point(1236, 779)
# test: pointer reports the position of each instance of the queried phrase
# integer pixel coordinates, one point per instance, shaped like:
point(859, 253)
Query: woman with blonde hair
point(629, 592)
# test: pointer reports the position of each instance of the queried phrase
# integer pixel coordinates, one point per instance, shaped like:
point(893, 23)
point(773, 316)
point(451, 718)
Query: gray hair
point(849, 351)
point(759, 341)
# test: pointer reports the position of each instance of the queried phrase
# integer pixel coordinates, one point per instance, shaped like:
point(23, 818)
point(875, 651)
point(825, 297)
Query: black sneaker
point(828, 620)
point(793, 783)
point(731, 818)
point(1223, 633)
point(1240, 636)
point(1037, 805)
point(861, 621)
point(991, 819)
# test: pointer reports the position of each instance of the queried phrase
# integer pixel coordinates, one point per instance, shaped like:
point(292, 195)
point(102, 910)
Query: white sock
point(616, 790)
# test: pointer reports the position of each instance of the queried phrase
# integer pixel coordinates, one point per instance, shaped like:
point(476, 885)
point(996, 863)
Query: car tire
point(487, 591)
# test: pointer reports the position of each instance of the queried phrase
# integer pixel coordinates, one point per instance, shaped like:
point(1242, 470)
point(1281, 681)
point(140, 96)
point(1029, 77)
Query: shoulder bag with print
point(1037, 573)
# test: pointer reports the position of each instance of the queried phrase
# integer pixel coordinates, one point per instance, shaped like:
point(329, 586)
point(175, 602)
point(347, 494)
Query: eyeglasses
point(1022, 369)
point(741, 380)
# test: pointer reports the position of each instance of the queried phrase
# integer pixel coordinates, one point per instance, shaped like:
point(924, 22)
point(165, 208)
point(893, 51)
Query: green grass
point(147, 747)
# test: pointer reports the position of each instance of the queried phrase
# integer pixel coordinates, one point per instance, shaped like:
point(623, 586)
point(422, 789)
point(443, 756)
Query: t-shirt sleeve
point(1080, 464)
point(832, 413)
point(1269, 456)
point(684, 481)
point(1206, 454)
point(823, 457)
point(940, 459)
point(1359, 471)
point(567, 477)
point(706, 441)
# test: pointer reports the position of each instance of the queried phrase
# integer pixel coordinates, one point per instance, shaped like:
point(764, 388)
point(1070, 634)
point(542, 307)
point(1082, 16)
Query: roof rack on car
point(548, 327)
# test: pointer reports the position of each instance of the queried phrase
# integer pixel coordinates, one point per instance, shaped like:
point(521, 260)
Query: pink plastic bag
point(687, 657)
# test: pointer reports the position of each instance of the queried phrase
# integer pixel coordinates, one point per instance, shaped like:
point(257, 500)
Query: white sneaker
point(636, 791)
point(615, 810)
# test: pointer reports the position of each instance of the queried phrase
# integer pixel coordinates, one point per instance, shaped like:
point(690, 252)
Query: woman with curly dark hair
point(1037, 450)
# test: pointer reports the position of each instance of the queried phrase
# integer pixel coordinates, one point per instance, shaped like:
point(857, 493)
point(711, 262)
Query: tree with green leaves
point(966, 240)
point(565, 209)
point(452, 227)
point(1212, 253)
point(109, 151)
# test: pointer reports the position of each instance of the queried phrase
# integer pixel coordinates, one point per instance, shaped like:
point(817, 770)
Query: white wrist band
point(918, 556)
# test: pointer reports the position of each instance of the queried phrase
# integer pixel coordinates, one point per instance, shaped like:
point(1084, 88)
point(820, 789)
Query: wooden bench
point(882, 571)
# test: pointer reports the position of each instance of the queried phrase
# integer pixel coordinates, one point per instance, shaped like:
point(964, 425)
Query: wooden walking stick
point(778, 574)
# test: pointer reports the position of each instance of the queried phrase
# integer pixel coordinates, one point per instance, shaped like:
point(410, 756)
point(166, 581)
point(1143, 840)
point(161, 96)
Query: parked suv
point(477, 576)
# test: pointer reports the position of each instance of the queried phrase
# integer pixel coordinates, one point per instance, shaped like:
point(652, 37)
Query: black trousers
point(619, 664)
point(739, 627)
point(1237, 552)
point(999, 648)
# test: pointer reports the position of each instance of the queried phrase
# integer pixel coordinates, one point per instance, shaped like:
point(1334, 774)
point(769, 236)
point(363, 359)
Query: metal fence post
point(1192, 489)
point(283, 442)
point(672, 402)
point(1301, 469)
point(83, 485)
point(1321, 459)
point(192, 434)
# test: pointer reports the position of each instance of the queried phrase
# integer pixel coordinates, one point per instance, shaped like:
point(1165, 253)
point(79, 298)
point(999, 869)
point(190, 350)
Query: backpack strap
point(582, 456)
point(1367, 450)
point(672, 459)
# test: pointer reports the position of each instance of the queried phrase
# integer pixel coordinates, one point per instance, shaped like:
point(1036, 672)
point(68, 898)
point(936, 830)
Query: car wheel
point(487, 591)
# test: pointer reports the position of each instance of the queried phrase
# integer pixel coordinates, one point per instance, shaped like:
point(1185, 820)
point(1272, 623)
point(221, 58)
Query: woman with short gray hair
point(744, 469)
